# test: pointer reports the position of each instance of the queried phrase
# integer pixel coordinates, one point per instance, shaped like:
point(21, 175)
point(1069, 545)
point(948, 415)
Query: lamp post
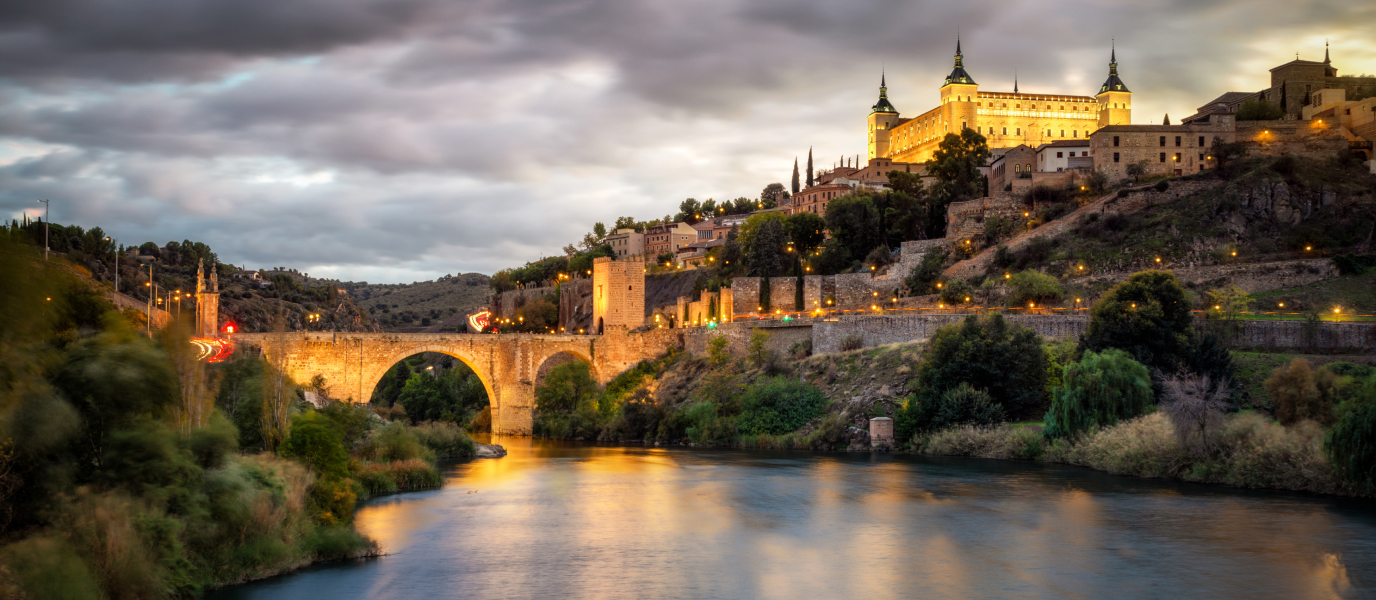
point(114, 246)
point(46, 211)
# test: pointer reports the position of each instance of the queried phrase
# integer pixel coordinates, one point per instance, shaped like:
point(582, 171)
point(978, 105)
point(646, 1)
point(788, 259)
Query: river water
point(572, 520)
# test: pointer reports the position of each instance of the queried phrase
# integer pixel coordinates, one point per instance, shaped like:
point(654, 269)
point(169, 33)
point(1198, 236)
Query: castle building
point(1006, 119)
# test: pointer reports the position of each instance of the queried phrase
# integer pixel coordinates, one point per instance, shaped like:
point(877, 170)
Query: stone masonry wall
point(782, 335)
point(877, 331)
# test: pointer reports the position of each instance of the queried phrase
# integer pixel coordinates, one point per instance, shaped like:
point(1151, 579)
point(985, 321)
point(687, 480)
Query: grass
point(1354, 293)
point(1251, 451)
point(1254, 367)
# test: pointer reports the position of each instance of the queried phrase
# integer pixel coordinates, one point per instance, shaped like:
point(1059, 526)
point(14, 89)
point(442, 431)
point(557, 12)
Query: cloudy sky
point(399, 140)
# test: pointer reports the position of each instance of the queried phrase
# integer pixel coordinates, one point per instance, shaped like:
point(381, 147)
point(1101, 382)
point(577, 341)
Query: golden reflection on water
point(702, 523)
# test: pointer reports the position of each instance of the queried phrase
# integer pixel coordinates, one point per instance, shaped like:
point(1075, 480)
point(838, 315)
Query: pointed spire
point(1113, 83)
point(1015, 81)
point(1325, 51)
point(883, 105)
point(1112, 51)
point(958, 74)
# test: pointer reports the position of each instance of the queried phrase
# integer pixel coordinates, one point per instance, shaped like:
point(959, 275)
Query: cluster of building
point(1053, 139)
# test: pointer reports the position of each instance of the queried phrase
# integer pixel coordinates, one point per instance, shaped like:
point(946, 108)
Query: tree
point(773, 195)
point(805, 232)
point(567, 387)
point(599, 230)
point(854, 224)
point(742, 206)
point(628, 223)
point(731, 251)
point(809, 167)
point(708, 209)
point(1137, 170)
point(752, 225)
point(923, 278)
point(901, 216)
point(767, 254)
point(1300, 393)
point(1195, 407)
point(1005, 359)
point(955, 166)
point(315, 441)
point(1259, 110)
point(1228, 303)
point(1351, 444)
point(964, 405)
point(1099, 391)
point(691, 210)
point(1032, 286)
point(1226, 154)
point(795, 177)
point(1148, 316)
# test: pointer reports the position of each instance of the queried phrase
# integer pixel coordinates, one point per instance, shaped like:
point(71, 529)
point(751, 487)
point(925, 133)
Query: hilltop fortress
point(1006, 119)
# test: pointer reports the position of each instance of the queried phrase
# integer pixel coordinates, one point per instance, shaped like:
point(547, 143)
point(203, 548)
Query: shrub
point(1099, 391)
point(1195, 408)
point(1161, 186)
point(401, 475)
point(800, 350)
point(965, 405)
point(1351, 444)
point(1035, 286)
point(1347, 369)
point(1353, 264)
point(1002, 441)
point(922, 278)
point(852, 342)
point(637, 421)
point(957, 291)
point(1006, 359)
point(1298, 393)
point(396, 441)
point(756, 350)
point(482, 422)
point(779, 405)
point(446, 440)
point(315, 441)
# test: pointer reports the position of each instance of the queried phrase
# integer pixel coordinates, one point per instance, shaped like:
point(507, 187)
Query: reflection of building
point(1006, 119)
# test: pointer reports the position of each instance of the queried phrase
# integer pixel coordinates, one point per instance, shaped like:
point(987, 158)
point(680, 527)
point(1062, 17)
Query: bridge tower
point(618, 293)
point(207, 301)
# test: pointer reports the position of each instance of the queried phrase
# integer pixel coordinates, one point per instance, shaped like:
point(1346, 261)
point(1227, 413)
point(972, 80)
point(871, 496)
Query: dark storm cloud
point(400, 140)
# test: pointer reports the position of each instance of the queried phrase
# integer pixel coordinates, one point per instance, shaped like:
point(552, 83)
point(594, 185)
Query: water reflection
point(589, 521)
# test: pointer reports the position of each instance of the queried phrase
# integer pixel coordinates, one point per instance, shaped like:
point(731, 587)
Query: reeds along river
point(558, 519)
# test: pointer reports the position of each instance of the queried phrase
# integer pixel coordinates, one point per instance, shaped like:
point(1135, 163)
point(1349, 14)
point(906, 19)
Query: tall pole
point(45, 228)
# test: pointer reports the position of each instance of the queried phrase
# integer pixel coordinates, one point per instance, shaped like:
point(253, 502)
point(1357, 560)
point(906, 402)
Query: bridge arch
point(372, 377)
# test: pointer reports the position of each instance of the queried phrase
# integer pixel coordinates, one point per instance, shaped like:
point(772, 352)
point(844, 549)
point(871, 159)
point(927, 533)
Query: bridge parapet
point(507, 364)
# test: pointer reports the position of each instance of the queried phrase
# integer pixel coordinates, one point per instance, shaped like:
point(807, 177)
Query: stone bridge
point(353, 363)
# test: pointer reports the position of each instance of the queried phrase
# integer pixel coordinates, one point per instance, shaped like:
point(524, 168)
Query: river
point(575, 520)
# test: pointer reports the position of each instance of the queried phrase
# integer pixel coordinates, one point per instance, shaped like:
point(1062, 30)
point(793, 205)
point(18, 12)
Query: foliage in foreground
point(1100, 390)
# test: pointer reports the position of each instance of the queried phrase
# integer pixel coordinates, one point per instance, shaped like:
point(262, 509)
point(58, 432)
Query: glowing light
point(1308, 248)
point(479, 321)
point(1282, 305)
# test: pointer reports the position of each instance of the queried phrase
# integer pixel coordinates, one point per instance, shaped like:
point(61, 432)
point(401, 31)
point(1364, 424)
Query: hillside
point(436, 305)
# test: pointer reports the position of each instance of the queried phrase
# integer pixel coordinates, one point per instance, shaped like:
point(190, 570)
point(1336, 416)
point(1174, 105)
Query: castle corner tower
point(1115, 100)
point(882, 118)
point(958, 97)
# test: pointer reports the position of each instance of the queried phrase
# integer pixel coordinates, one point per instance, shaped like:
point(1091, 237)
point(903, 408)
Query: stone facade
point(828, 292)
point(618, 293)
point(881, 432)
point(508, 364)
point(1006, 119)
point(827, 335)
point(782, 335)
point(504, 305)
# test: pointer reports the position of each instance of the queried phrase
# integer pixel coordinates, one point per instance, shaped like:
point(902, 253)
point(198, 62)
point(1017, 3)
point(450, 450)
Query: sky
point(400, 140)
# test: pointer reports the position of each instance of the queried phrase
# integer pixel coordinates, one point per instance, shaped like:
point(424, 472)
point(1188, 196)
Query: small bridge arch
point(507, 364)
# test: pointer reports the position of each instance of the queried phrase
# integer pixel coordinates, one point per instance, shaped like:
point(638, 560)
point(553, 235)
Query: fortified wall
point(827, 336)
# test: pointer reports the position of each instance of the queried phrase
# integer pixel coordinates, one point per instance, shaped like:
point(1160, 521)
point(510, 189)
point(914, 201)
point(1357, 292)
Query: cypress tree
point(712, 308)
point(809, 167)
point(798, 286)
point(795, 175)
point(764, 294)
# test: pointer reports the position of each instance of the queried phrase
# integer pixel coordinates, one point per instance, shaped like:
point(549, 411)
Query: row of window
point(1116, 141)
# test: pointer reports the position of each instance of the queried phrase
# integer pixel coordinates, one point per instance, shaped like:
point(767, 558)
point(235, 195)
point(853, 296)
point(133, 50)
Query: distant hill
point(435, 305)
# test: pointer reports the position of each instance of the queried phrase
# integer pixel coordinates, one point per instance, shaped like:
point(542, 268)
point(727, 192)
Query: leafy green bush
point(1034, 286)
point(922, 278)
point(1299, 392)
point(1351, 444)
point(1005, 359)
point(401, 475)
point(1099, 391)
point(1353, 264)
point(446, 440)
point(965, 405)
point(779, 405)
point(316, 441)
point(396, 441)
point(957, 291)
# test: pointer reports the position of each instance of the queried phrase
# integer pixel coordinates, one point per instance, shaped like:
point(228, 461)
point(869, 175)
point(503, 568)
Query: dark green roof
point(883, 105)
point(1113, 83)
